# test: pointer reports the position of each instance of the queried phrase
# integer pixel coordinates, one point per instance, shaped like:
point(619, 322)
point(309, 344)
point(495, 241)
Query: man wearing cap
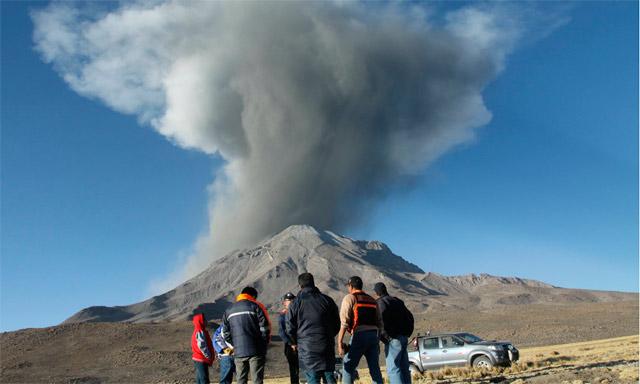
point(290, 353)
point(360, 316)
point(398, 325)
point(312, 324)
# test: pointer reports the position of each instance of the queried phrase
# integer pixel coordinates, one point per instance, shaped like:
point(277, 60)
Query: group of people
point(308, 325)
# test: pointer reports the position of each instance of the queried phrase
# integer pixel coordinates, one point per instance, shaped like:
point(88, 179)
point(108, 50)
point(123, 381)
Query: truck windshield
point(468, 338)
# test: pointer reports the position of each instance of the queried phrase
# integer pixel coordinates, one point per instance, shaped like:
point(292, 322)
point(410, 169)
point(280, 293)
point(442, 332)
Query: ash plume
point(318, 108)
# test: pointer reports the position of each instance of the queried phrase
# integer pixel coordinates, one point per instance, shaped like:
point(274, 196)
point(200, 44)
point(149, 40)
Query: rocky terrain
point(274, 265)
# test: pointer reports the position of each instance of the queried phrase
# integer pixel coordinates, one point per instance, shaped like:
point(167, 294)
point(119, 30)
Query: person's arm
point(383, 334)
point(282, 329)
point(201, 339)
point(382, 306)
point(291, 325)
point(346, 317)
point(226, 331)
point(264, 323)
point(379, 320)
point(334, 317)
point(340, 338)
point(218, 340)
point(381, 314)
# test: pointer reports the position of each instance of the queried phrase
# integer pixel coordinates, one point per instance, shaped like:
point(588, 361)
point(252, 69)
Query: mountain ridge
point(273, 265)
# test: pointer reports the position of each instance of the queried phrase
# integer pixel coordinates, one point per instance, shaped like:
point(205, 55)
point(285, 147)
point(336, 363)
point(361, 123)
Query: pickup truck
point(458, 349)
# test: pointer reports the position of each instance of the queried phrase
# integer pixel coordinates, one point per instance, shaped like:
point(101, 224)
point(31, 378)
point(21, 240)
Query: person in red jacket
point(203, 353)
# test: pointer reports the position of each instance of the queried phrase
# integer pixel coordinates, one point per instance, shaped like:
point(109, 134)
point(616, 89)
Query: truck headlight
point(495, 347)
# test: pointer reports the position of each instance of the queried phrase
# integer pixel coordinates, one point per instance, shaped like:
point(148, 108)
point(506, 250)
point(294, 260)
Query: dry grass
point(608, 361)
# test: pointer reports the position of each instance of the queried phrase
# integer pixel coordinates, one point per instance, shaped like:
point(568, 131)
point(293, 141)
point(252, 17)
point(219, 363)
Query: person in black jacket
point(398, 326)
point(247, 330)
point(312, 324)
point(289, 352)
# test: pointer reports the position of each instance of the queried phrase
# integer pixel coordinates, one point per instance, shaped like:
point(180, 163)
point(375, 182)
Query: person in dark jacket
point(290, 353)
point(312, 323)
point(202, 349)
point(247, 329)
point(398, 326)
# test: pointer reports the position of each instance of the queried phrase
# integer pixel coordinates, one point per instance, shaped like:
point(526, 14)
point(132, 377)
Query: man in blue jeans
point(360, 316)
point(398, 325)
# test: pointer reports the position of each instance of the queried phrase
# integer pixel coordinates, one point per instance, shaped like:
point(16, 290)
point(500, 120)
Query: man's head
point(250, 291)
point(305, 280)
point(354, 284)
point(287, 299)
point(380, 289)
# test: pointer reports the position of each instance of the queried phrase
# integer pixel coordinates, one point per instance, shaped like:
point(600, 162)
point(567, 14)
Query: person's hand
point(295, 348)
point(340, 350)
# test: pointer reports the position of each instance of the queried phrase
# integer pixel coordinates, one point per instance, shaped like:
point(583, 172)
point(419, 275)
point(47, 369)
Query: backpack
point(365, 311)
point(406, 325)
point(398, 319)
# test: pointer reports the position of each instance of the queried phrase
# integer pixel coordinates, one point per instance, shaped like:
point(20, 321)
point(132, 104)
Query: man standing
point(247, 328)
point(290, 353)
point(398, 325)
point(312, 323)
point(360, 316)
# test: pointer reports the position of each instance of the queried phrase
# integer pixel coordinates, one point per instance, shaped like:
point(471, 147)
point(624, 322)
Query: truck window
point(451, 342)
point(430, 343)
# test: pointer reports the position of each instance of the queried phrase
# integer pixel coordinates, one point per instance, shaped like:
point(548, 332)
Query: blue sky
point(96, 206)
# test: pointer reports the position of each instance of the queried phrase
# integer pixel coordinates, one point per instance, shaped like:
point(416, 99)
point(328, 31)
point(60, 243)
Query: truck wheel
point(482, 362)
point(414, 371)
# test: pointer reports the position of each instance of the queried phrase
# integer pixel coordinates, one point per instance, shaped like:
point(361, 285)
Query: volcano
point(273, 266)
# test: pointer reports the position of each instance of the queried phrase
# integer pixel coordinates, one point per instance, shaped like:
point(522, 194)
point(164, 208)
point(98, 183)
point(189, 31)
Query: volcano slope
point(273, 266)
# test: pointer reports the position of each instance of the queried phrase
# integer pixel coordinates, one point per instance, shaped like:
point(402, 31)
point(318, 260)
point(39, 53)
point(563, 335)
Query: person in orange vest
point(360, 316)
point(247, 330)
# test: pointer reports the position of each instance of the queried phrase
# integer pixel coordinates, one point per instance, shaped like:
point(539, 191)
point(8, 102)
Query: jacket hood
point(198, 321)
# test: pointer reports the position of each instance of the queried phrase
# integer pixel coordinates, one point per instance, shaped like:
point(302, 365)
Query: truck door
point(453, 351)
point(429, 352)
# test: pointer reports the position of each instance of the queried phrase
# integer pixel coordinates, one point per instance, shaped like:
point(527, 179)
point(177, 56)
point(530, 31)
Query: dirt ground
point(160, 353)
point(605, 361)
